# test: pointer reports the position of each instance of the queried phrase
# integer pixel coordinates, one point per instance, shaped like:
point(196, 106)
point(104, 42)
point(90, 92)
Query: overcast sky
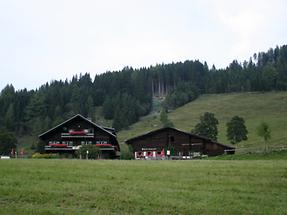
point(44, 40)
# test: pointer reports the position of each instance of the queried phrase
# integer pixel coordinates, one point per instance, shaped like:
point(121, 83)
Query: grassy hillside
point(270, 107)
point(30, 186)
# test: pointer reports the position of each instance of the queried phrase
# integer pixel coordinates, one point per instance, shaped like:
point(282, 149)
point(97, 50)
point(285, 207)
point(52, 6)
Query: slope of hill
point(253, 107)
point(126, 95)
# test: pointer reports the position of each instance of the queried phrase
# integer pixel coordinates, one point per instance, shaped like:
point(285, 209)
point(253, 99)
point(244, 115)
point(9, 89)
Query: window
point(102, 140)
point(171, 138)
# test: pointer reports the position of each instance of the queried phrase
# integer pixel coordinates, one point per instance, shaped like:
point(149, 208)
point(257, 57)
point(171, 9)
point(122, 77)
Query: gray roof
point(175, 129)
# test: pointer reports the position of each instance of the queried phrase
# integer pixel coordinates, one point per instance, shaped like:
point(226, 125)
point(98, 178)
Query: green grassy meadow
point(29, 186)
point(270, 107)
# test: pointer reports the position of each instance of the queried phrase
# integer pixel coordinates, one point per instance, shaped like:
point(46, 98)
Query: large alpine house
point(70, 135)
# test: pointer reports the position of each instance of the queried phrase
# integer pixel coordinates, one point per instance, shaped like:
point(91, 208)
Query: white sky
point(44, 40)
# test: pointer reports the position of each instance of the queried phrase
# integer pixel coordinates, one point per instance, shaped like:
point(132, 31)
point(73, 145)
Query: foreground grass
point(253, 107)
point(143, 187)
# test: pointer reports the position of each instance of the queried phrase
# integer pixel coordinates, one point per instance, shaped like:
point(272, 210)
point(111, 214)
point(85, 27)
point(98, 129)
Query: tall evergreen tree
point(90, 107)
point(164, 119)
point(10, 118)
point(8, 142)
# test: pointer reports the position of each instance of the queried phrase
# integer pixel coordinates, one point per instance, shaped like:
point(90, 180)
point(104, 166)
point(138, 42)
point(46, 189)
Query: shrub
point(126, 152)
point(92, 149)
point(38, 155)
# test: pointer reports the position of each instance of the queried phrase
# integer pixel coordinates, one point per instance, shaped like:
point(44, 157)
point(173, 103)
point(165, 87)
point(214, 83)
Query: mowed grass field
point(270, 107)
point(31, 186)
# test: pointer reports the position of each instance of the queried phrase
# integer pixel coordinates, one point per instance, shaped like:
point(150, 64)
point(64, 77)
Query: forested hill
point(127, 94)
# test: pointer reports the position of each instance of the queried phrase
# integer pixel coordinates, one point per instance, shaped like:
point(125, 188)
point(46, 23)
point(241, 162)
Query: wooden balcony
point(59, 147)
point(77, 135)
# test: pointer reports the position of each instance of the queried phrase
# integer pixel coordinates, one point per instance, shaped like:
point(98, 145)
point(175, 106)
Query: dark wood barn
point(70, 135)
point(175, 144)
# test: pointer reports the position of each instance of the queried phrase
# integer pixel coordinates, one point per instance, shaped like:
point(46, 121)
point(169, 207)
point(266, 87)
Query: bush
point(45, 156)
point(126, 152)
point(93, 150)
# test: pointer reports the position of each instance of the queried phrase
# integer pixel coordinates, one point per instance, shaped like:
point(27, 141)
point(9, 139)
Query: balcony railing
point(65, 147)
point(77, 134)
point(58, 147)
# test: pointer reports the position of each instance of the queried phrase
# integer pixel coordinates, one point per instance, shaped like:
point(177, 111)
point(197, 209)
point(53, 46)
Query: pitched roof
point(84, 118)
point(175, 129)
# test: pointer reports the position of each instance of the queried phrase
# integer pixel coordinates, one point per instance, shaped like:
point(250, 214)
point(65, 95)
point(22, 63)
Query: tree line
point(127, 95)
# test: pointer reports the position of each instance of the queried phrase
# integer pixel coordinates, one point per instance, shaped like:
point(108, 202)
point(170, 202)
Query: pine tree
point(46, 123)
point(35, 111)
point(10, 118)
point(90, 107)
point(164, 119)
point(7, 142)
point(108, 108)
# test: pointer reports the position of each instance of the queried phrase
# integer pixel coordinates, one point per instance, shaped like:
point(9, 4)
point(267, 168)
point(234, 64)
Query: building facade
point(70, 135)
point(175, 144)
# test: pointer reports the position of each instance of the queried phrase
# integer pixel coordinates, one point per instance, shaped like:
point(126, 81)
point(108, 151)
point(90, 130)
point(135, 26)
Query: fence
point(260, 149)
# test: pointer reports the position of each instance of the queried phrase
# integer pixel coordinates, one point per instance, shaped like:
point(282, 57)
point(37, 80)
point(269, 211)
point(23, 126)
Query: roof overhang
point(76, 116)
point(129, 141)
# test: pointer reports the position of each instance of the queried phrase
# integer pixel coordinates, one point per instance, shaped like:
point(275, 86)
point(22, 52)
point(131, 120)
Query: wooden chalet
point(171, 143)
point(70, 135)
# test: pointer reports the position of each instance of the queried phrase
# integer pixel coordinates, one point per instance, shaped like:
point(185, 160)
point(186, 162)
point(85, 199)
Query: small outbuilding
point(173, 143)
